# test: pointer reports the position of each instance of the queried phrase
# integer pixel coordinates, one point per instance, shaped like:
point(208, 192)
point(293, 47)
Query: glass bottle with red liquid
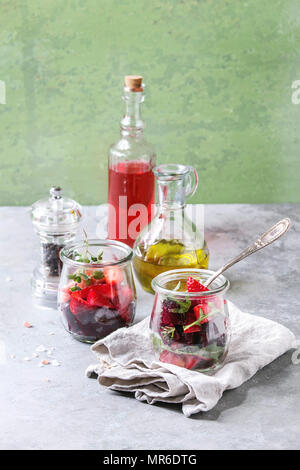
point(131, 186)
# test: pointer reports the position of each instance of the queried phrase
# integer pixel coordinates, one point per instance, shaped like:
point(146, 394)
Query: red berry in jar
point(97, 292)
point(190, 327)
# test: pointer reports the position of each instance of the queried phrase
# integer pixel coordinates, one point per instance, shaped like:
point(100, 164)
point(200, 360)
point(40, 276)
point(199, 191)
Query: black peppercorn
point(50, 258)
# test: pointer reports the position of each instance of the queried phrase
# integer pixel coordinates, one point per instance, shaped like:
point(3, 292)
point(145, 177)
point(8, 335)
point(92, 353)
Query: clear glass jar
point(131, 186)
point(190, 329)
point(96, 298)
point(172, 240)
point(56, 221)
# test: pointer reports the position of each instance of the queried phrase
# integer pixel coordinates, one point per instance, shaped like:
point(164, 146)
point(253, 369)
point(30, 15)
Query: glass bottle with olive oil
point(172, 240)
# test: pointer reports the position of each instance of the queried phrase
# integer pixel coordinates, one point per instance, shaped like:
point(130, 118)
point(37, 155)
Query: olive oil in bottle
point(172, 240)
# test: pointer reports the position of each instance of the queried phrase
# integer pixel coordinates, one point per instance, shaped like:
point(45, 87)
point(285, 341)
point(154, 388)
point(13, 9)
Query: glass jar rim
point(176, 274)
point(70, 248)
point(171, 170)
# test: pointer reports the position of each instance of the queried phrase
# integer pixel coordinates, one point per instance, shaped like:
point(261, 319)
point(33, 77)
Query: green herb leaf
point(86, 256)
point(85, 236)
point(73, 289)
point(98, 275)
point(199, 320)
point(183, 306)
point(84, 276)
point(157, 343)
point(168, 331)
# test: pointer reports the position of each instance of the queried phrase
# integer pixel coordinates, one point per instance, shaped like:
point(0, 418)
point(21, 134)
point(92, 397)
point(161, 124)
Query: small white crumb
point(49, 352)
point(51, 333)
point(27, 359)
point(55, 363)
point(8, 279)
point(12, 356)
point(41, 348)
point(35, 354)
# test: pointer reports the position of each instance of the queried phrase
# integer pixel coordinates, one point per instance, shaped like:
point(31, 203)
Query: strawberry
point(202, 309)
point(106, 290)
point(215, 299)
point(193, 329)
point(80, 294)
point(191, 362)
point(195, 362)
point(190, 319)
point(78, 306)
point(91, 296)
point(171, 358)
point(96, 299)
point(193, 285)
point(113, 275)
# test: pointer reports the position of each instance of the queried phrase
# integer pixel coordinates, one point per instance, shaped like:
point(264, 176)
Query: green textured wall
point(219, 76)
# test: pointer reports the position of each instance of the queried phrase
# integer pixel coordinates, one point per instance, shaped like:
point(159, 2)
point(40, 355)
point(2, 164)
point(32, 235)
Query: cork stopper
point(134, 82)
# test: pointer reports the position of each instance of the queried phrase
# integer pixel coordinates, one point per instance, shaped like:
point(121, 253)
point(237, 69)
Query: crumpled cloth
point(127, 363)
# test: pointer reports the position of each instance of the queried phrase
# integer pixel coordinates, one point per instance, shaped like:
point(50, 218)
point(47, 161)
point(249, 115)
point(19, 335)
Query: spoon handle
point(266, 239)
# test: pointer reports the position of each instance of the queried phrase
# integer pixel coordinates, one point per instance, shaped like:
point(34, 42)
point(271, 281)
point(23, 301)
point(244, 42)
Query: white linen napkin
point(127, 363)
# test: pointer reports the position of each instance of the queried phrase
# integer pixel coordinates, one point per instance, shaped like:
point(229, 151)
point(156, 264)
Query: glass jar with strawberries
point(189, 322)
point(96, 291)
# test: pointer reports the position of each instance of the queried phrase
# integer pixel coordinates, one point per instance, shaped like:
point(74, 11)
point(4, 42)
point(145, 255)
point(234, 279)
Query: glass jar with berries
point(190, 322)
point(56, 220)
point(96, 291)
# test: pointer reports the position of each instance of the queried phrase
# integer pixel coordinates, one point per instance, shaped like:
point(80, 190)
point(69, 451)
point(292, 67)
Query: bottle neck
point(171, 194)
point(132, 123)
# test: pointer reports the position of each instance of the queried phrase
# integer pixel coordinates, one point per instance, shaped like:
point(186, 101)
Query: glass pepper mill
point(172, 240)
point(131, 185)
point(56, 221)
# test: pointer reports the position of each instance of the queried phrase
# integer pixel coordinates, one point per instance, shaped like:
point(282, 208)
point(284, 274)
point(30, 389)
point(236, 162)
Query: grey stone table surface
point(70, 411)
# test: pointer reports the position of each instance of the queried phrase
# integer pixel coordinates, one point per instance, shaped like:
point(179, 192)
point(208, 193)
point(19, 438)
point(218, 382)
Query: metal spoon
point(266, 239)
